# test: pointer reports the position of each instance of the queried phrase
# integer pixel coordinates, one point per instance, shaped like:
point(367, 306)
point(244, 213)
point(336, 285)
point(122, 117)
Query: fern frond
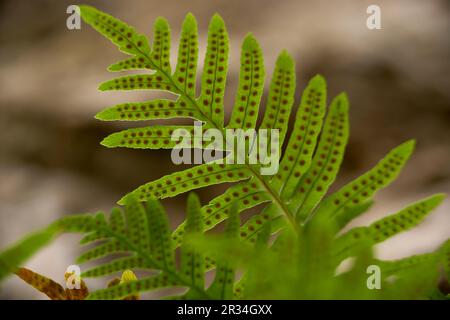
point(192, 261)
point(445, 258)
point(189, 179)
point(252, 228)
point(161, 45)
point(300, 149)
point(117, 221)
point(394, 267)
point(135, 63)
point(209, 105)
point(186, 70)
point(387, 227)
point(250, 87)
point(122, 35)
point(139, 237)
point(365, 186)
point(251, 275)
point(156, 109)
point(161, 244)
point(154, 137)
point(350, 213)
point(222, 286)
point(101, 251)
point(281, 96)
point(326, 162)
point(215, 72)
point(138, 82)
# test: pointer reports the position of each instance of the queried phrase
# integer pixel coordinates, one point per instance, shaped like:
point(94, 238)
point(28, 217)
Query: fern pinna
point(308, 245)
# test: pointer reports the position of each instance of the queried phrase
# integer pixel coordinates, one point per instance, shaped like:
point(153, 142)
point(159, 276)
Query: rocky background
point(51, 163)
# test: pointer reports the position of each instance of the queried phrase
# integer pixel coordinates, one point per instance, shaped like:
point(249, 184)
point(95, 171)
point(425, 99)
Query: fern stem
point(280, 204)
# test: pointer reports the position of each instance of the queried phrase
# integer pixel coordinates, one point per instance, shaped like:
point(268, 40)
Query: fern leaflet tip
point(190, 23)
point(318, 80)
point(342, 102)
point(285, 60)
point(103, 115)
point(250, 43)
point(161, 23)
point(216, 22)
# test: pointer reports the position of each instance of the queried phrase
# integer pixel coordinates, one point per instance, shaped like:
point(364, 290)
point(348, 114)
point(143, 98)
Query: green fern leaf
point(161, 244)
point(92, 237)
point(135, 63)
point(252, 276)
point(189, 179)
point(117, 222)
point(281, 96)
point(394, 267)
point(386, 228)
point(192, 261)
point(445, 257)
point(138, 82)
point(215, 72)
point(161, 45)
point(156, 109)
point(82, 223)
point(364, 187)
point(327, 160)
point(222, 286)
point(154, 137)
point(137, 228)
point(186, 70)
point(250, 88)
point(297, 157)
point(139, 238)
point(404, 220)
point(239, 288)
point(103, 250)
point(347, 215)
point(122, 35)
point(253, 227)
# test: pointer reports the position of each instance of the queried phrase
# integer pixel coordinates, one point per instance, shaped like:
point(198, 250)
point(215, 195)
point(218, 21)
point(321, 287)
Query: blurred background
point(51, 163)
